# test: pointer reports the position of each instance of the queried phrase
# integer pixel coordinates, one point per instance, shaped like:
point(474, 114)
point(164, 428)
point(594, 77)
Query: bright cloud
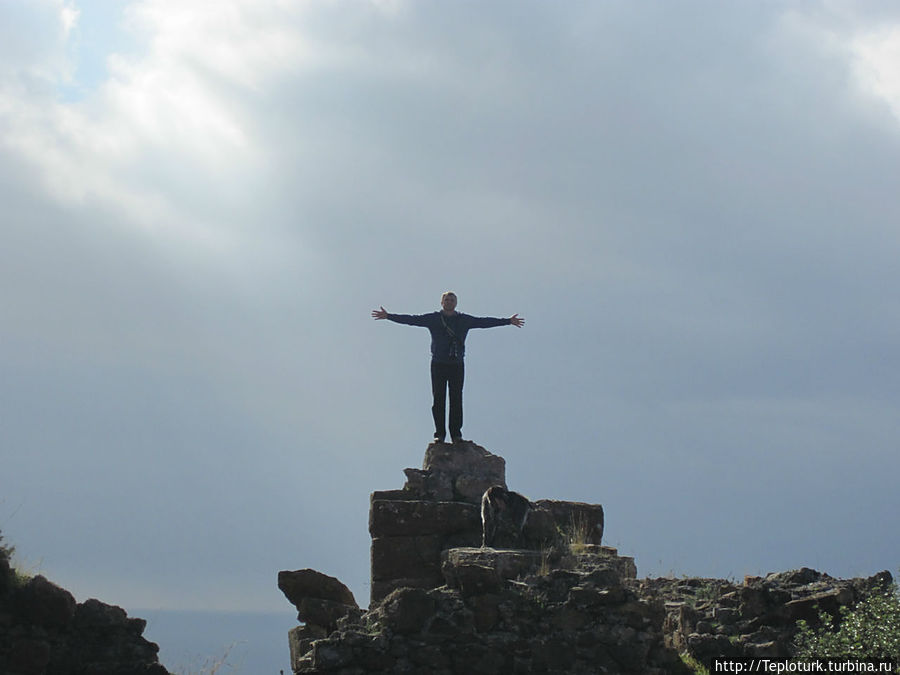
point(69, 17)
point(178, 103)
point(878, 64)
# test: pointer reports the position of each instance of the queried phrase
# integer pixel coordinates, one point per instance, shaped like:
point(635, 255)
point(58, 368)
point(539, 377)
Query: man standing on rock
point(448, 330)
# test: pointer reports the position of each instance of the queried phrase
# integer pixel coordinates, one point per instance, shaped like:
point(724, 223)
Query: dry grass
point(578, 536)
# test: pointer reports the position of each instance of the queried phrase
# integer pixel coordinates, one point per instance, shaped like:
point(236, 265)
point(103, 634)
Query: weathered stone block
point(541, 529)
point(473, 579)
point(416, 518)
point(470, 488)
point(607, 556)
point(300, 640)
point(455, 472)
point(808, 608)
point(506, 564)
point(605, 576)
point(397, 557)
point(583, 522)
point(429, 485)
point(466, 458)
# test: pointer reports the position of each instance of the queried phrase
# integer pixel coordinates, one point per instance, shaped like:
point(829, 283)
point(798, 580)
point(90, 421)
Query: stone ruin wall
point(442, 603)
point(439, 508)
point(557, 601)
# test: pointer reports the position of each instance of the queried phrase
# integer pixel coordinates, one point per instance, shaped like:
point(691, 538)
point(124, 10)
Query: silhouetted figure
point(448, 330)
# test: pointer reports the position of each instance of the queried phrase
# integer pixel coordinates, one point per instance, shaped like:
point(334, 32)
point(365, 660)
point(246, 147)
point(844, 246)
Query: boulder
point(456, 472)
point(320, 600)
point(465, 459)
point(309, 583)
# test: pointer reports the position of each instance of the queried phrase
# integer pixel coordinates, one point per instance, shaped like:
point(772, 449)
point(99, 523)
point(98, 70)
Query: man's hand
point(517, 321)
point(380, 313)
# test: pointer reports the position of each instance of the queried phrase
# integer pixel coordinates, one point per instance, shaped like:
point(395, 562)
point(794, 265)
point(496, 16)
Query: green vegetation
point(694, 665)
point(6, 551)
point(870, 630)
point(17, 576)
point(709, 591)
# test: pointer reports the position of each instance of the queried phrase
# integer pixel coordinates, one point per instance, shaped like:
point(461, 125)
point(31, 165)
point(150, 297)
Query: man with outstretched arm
point(448, 330)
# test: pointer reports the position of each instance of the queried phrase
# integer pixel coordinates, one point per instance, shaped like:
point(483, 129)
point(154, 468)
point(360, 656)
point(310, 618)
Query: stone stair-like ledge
point(512, 564)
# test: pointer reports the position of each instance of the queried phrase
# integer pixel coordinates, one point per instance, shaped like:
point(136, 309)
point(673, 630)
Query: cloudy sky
point(694, 206)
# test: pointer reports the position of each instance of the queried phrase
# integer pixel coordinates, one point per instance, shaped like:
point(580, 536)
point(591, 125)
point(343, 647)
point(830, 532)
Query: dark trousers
point(446, 376)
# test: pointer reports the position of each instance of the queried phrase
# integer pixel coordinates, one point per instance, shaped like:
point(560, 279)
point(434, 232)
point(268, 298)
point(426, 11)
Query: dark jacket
point(448, 333)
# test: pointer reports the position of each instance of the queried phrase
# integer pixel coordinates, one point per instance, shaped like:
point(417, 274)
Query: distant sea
point(191, 643)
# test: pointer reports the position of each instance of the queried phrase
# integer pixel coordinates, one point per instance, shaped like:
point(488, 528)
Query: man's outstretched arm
point(491, 322)
point(408, 319)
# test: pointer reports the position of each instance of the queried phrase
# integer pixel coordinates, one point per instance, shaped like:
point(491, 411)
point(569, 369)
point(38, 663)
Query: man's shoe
point(457, 439)
point(437, 439)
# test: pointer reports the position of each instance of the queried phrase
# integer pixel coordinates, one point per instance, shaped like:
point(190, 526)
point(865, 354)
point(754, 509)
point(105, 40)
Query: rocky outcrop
point(709, 618)
point(320, 600)
point(43, 631)
point(456, 472)
point(583, 620)
point(558, 602)
point(439, 508)
point(442, 603)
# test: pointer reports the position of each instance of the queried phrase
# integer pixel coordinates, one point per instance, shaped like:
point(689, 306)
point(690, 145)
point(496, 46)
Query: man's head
point(448, 302)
